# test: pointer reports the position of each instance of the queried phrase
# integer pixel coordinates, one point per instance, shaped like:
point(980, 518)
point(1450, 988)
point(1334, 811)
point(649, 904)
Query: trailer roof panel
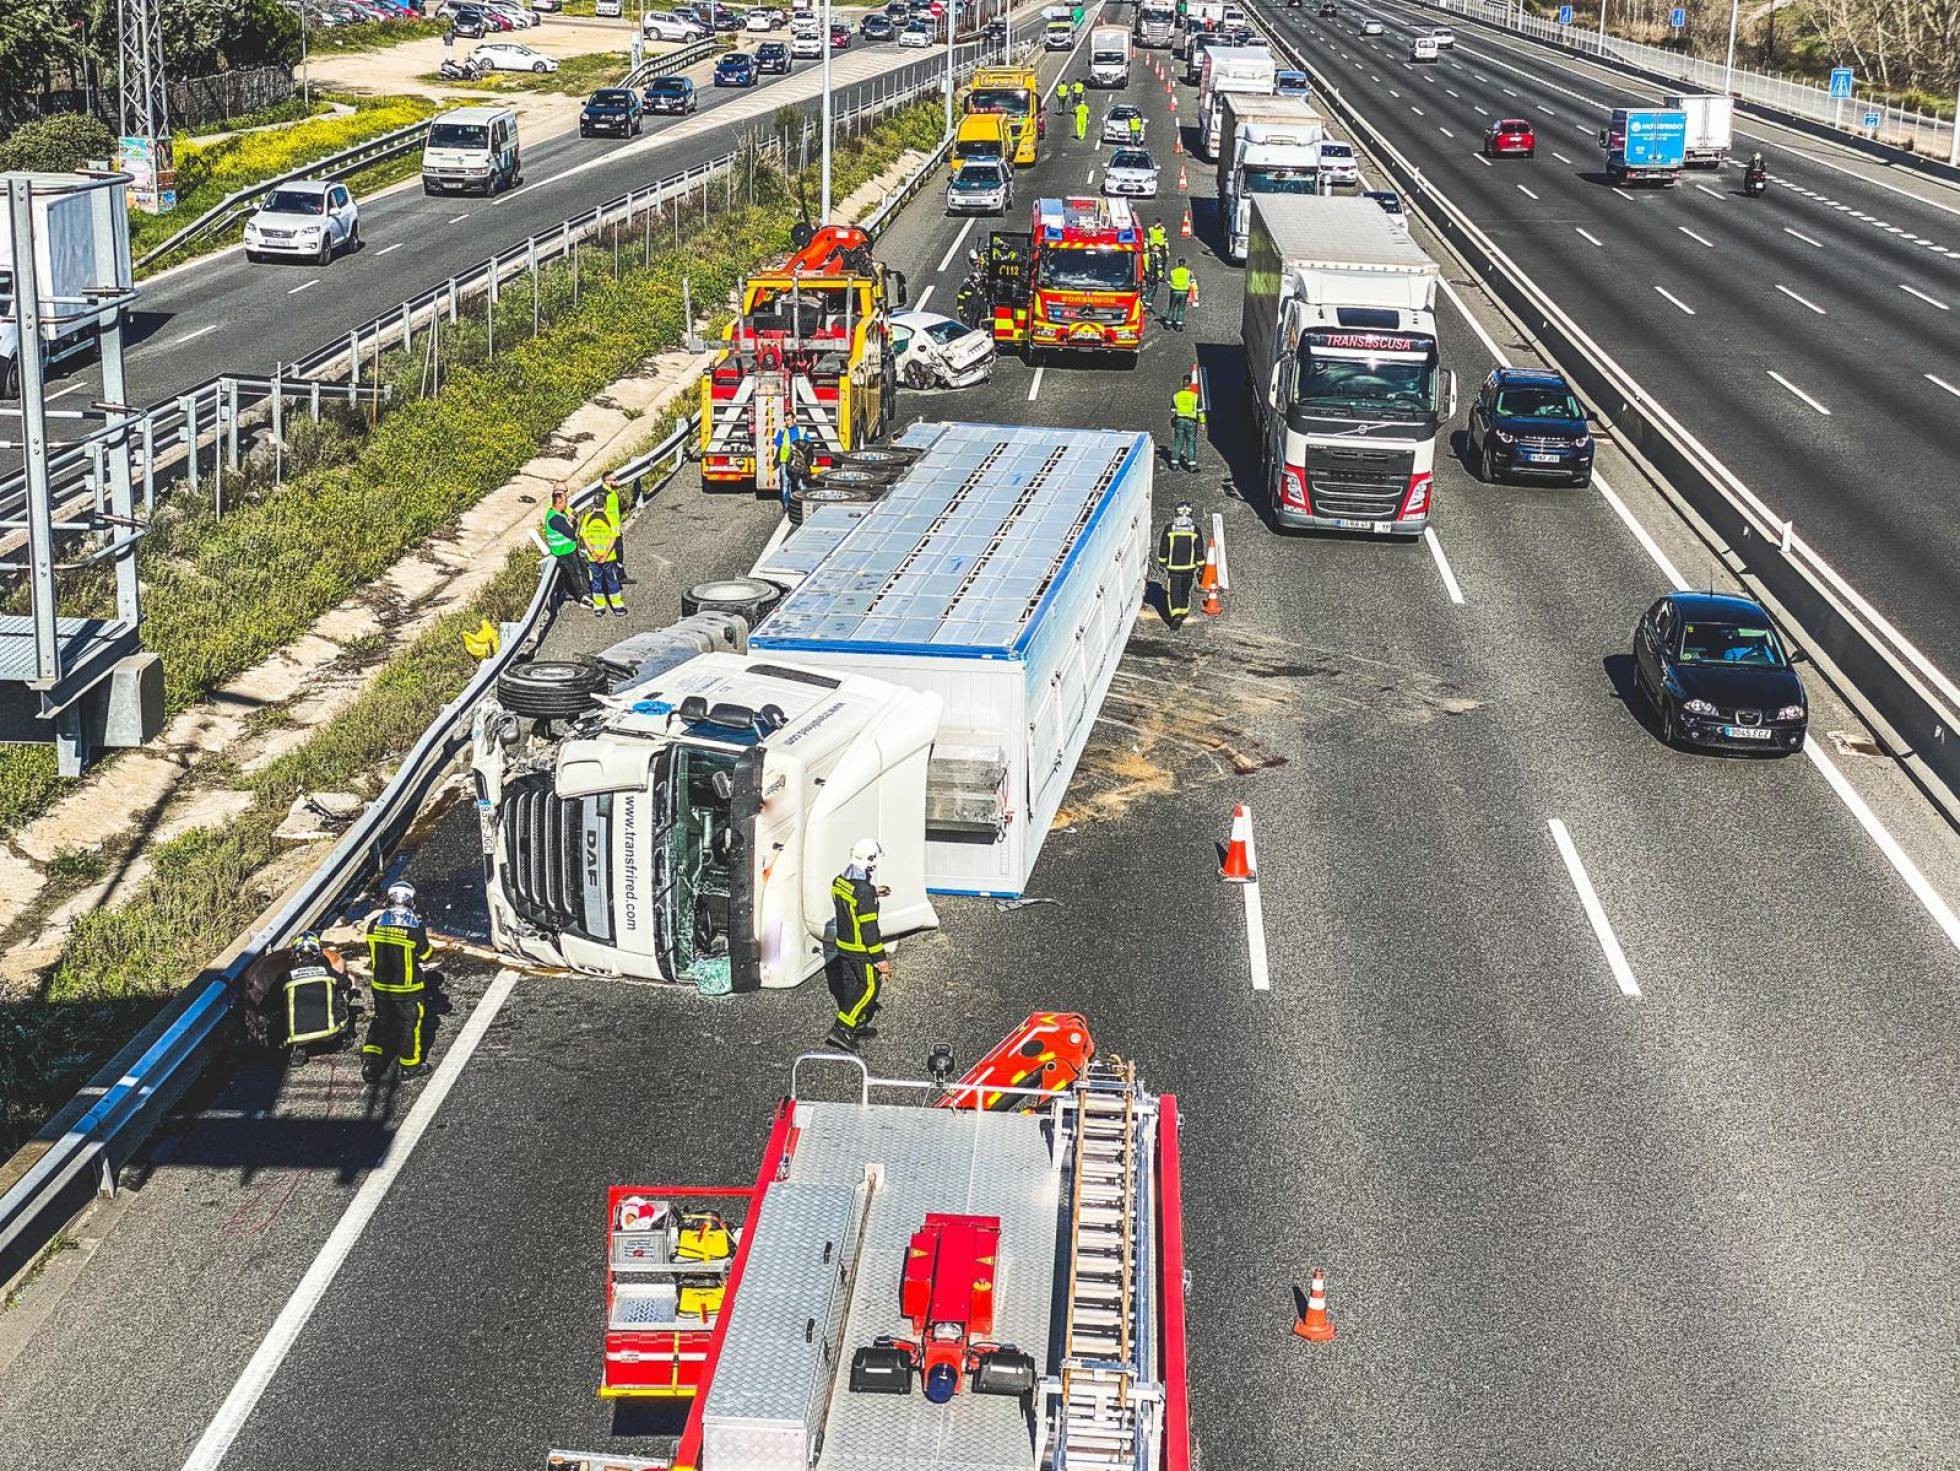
point(963, 555)
point(1338, 231)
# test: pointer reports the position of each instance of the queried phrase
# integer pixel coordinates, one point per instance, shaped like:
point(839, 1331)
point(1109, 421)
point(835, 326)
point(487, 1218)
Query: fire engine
point(812, 346)
point(1074, 281)
point(929, 1275)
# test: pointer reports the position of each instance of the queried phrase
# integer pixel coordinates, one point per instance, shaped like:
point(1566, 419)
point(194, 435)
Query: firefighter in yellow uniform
point(859, 964)
point(398, 948)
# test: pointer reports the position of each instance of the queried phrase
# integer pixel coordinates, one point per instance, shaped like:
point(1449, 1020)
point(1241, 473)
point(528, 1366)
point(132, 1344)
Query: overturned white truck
point(676, 808)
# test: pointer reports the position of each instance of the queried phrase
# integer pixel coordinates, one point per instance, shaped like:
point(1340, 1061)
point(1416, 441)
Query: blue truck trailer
point(1645, 145)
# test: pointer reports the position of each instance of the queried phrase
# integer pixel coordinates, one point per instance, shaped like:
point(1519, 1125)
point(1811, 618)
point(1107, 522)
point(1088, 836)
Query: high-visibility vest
point(559, 543)
point(1180, 278)
point(612, 507)
point(1157, 237)
point(1185, 405)
point(1182, 549)
point(316, 1022)
point(599, 535)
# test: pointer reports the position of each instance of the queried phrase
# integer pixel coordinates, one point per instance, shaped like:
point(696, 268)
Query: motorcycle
point(460, 71)
point(1755, 185)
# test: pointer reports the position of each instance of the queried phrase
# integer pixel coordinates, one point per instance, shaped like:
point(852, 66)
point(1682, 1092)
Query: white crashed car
point(1116, 123)
point(1130, 173)
point(937, 352)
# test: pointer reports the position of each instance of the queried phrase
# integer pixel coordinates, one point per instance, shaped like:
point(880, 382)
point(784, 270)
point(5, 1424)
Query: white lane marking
point(1489, 342)
point(1481, 159)
point(1803, 237)
point(1034, 388)
point(1801, 302)
point(1929, 300)
point(958, 240)
point(63, 392)
point(1546, 110)
point(391, 249)
point(1445, 131)
point(1693, 236)
point(1624, 195)
point(1799, 392)
point(1452, 91)
point(1602, 927)
point(1711, 193)
point(1523, 190)
point(1942, 383)
point(1393, 93)
point(924, 297)
point(1590, 236)
point(1560, 156)
point(279, 1339)
point(1255, 935)
point(1640, 534)
point(1443, 565)
point(1929, 897)
point(1092, 176)
point(193, 336)
point(1418, 111)
point(1509, 93)
point(304, 286)
point(463, 216)
point(1676, 300)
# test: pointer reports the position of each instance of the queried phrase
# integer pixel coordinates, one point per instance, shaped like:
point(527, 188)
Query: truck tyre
point(816, 497)
point(549, 689)
point(748, 598)
point(879, 457)
point(865, 477)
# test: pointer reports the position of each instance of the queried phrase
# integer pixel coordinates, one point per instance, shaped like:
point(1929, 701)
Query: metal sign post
point(1841, 79)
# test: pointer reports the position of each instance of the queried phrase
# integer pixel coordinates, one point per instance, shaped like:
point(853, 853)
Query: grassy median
point(223, 593)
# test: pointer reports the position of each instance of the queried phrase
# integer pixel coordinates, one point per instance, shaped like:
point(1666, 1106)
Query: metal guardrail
point(679, 59)
point(1906, 692)
point(378, 149)
point(192, 1029)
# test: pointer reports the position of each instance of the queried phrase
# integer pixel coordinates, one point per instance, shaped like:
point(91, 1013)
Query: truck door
point(1010, 256)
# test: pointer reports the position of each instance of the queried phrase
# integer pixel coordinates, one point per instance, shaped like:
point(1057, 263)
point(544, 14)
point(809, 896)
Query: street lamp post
point(1602, 28)
point(824, 25)
point(1953, 151)
point(952, 29)
point(1728, 67)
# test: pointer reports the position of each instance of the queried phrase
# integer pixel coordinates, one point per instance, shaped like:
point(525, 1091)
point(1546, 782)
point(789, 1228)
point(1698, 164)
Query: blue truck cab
point(1645, 145)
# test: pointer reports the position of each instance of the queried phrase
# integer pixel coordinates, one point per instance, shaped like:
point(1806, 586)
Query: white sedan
point(1130, 173)
point(808, 46)
point(916, 35)
point(312, 219)
point(1373, 28)
point(758, 20)
point(1337, 163)
point(1116, 124)
point(935, 351)
point(510, 56)
point(661, 26)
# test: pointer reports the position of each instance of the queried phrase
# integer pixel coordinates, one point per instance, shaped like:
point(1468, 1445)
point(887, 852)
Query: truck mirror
point(1452, 413)
point(901, 286)
point(1604, 137)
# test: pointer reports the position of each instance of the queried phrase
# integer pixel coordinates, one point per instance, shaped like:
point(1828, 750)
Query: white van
point(472, 150)
point(1424, 48)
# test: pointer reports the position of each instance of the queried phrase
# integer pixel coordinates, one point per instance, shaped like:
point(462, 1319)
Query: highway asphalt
point(1809, 338)
point(1564, 1225)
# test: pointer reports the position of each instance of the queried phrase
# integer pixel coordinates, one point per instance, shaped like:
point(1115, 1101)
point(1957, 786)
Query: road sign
point(1840, 81)
point(1565, 15)
point(1679, 18)
point(1872, 119)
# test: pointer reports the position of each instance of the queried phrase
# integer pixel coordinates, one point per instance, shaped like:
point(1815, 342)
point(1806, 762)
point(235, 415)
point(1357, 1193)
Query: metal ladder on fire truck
point(1111, 1402)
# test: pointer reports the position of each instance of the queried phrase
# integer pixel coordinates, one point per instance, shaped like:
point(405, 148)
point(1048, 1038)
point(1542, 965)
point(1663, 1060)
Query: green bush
point(56, 145)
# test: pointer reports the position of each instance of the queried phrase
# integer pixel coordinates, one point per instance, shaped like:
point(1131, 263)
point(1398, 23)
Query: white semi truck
point(1156, 22)
point(677, 808)
point(1340, 341)
point(1266, 145)
point(1247, 70)
point(1109, 56)
point(79, 251)
point(1711, 127)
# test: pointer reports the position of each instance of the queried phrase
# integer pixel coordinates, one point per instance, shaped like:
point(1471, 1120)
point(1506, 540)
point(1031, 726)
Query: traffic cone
point(1208, 579)
point(1177, 141)
point(1314, 1325)
point(1184, 226)
point(1238, 846)
point(1213, 604)
point(1183, 184)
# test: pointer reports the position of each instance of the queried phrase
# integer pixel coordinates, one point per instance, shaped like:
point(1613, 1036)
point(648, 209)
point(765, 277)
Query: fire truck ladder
point(1110, 1401)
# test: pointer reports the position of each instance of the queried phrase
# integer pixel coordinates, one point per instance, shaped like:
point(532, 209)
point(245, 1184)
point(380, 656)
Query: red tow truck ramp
point(801, 1346)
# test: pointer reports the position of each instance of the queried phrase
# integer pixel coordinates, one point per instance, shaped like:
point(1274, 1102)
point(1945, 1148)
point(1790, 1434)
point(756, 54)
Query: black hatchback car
point(1717, 674)
point(610, 110)
point(670, 94)
point(1526, 422)
point(772, 57)
point(877, 26)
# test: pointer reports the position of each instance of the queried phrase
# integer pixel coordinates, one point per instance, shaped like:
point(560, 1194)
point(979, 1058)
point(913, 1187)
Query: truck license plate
point(1745, 732)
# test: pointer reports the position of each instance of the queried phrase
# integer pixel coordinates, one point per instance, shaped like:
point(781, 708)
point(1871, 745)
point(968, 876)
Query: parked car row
point(330, 14)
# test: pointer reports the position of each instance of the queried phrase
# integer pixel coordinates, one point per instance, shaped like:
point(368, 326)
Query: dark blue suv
point(736, 69)
point(1526, 422)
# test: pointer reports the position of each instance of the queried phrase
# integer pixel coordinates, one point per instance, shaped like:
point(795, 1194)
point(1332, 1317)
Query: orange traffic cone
point(1184, 226)
point(1213, 604)
point(1208, 579)
point(1314, 1325)
point(1183, 183)
point(1177, 141)
point(1173, 104)
point(1238, 846)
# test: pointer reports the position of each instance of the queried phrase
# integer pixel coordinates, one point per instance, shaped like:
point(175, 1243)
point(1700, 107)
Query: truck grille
point(541, 834)
point(1358, 484)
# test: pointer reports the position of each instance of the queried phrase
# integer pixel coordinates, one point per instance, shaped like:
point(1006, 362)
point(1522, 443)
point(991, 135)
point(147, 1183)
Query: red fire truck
point(812, 346)
point(1074, 281)
point(923, 1277)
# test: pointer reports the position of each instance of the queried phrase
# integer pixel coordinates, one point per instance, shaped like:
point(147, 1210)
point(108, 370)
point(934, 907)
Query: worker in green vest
point(1180, 295)
point(1187, 413)
point(1081, 118)
point(1181, 553)
point(561, 542)
point(599, 538)
point(1156, 258)
point(1078, 92)
point(612, 484)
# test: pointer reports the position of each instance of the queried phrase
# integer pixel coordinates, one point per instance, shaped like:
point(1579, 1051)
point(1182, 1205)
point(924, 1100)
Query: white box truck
point(1340, 342)
point(677, 809)
point(1109, 56)
point(80, 247)
point(1266, 145)
point(1711, 127)
point(1228, 69)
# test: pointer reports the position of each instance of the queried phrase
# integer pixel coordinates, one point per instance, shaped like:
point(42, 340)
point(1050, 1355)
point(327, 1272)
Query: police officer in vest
point(1156, 256)
point(1181, 553)
point(1180, 295)
point(561, 541)
point(398, 949)
point(858, 965)
point(1187, 414)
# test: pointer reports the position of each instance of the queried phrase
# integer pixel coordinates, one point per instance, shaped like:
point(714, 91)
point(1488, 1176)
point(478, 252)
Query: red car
point(1510, 135)
point(840, 37)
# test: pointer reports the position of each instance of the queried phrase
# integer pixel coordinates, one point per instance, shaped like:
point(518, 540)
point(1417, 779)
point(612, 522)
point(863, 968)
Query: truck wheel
point(549, 689)
point(816, 497)
point(879, 457)
point(748, 598)
point(861, 477)
point(917, 375)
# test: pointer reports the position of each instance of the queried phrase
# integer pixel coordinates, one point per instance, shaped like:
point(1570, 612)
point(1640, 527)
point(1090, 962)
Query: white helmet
point(866, 852)
point(401, 893)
